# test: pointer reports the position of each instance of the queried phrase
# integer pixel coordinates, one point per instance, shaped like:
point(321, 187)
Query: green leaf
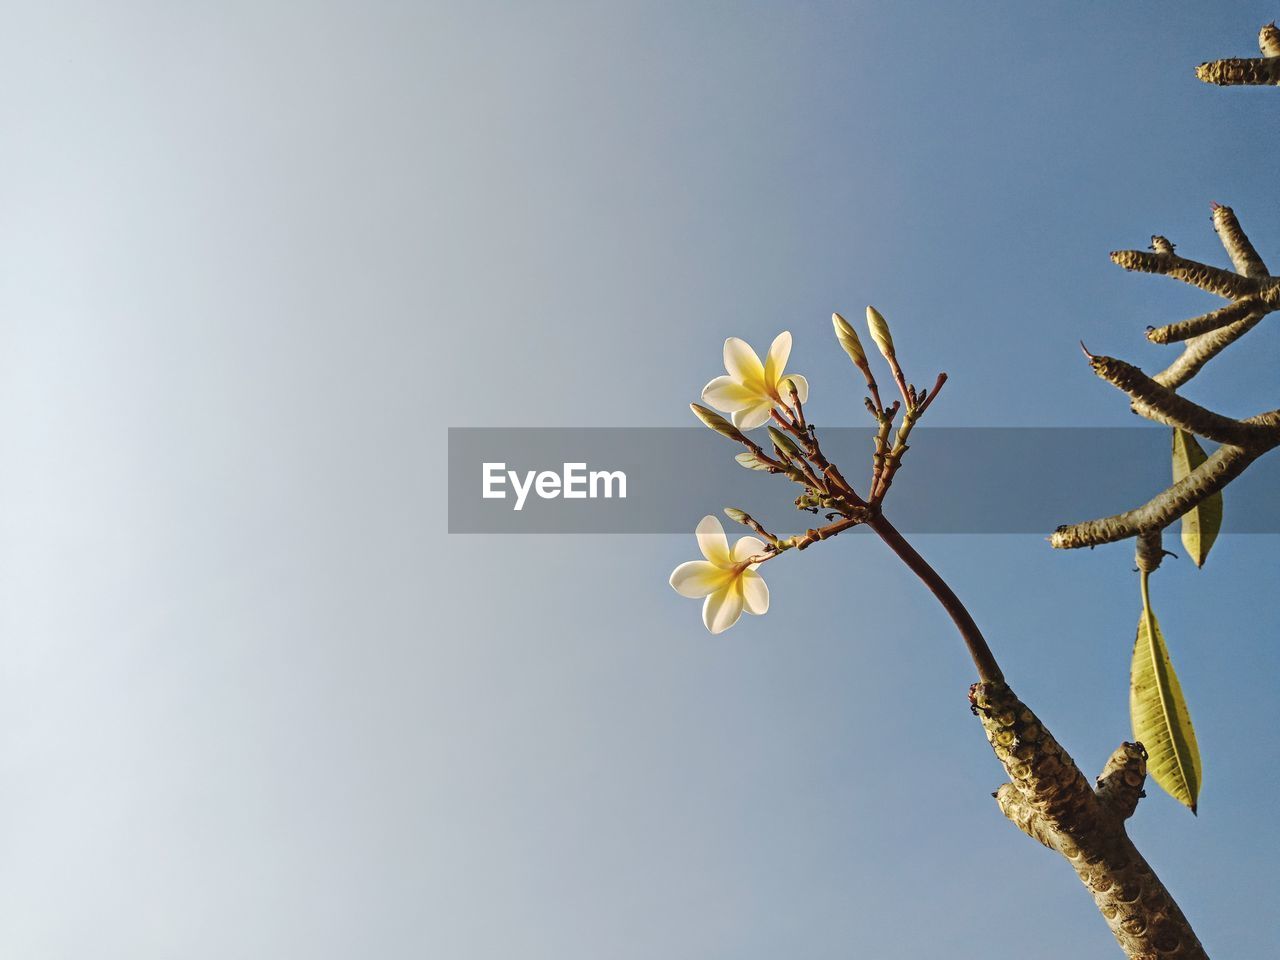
point(1200, 524)
point(751, 461)
point(1161, 720)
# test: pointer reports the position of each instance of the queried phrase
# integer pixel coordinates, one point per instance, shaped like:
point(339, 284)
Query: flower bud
point(786, 446)
point(736, 515)
point(749, 460)
point(717, 423)
point(880, 332)
point(848, 338)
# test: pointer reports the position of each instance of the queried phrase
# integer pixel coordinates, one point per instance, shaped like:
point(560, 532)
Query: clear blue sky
point(256, 703)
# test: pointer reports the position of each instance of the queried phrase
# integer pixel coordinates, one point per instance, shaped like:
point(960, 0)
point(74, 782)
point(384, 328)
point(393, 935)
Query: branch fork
point(1253, 293)
point(1049, 799)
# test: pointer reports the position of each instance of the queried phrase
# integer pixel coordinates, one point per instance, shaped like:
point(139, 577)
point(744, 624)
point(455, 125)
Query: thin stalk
point(988, 670)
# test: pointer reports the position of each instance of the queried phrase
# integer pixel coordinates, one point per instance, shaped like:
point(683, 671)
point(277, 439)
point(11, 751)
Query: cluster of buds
point(758, 393)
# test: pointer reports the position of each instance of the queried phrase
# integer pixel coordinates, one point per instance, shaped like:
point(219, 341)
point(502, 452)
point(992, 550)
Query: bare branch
point(1120, 785)
point(1255, 71)
point(1223, 465)
point(1251, 72)
point(1159, 403)
point(1206, 322)
point(1224, 283)
point(1024, 816)
point(1204, 348)
point(1044, 775)
point(1209, 334)
point(1239, 249)
point(1049, 800)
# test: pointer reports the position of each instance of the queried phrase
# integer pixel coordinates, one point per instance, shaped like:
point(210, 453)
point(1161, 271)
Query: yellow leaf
point(1161, 721)
point(1200, 524)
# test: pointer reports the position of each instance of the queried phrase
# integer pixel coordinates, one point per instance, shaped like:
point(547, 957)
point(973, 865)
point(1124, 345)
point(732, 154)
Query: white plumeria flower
point(728, 582)
point(752, 388)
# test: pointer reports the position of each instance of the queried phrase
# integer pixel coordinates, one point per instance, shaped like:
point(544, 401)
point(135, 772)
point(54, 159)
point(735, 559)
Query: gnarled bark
point(1050, 800)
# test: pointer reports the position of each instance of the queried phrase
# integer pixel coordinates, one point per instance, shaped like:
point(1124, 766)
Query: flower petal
point(776, 361)
point(755, 593)
point(746, 547)
point(697, 578)
point(721, 610)
point(728, 395)
point(802, 388)
point(752, 417)
point(712, 541)
point(743, 364)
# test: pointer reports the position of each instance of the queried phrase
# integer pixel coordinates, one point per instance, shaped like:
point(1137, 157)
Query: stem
point(908, 401)
point(983, 659)
point(813, 449)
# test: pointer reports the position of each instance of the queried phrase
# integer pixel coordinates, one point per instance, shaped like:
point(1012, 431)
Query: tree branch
point(1255, 293)
point(1243, 257)
point(1204, 348)
point(1235, 72)
point(1258, 71)
point(1159, 403)
point(1120, 785)
point(1050, 800)
point(1223, 465)
point(983, 659)
point(1206, 322)
point(1224, 283)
